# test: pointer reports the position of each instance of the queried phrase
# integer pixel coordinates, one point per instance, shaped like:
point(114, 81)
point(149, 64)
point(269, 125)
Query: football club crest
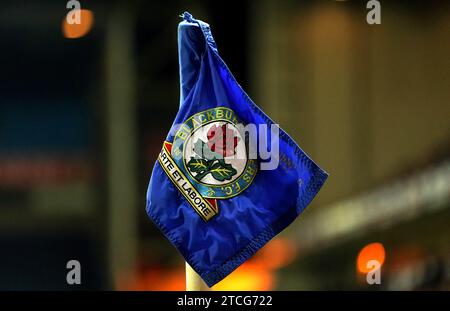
point(208, 160)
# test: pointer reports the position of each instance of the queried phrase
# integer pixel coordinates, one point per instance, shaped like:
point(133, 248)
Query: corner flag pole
point(193, 281)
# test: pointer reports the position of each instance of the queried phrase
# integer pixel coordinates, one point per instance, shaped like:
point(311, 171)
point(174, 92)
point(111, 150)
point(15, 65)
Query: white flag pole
point(193, 281)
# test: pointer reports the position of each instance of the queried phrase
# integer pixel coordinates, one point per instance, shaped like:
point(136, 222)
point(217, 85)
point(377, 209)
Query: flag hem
point(270, 231)
point(256, 243)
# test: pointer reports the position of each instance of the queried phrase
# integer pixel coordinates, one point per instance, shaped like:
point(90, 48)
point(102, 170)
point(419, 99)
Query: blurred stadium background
point(84, 110)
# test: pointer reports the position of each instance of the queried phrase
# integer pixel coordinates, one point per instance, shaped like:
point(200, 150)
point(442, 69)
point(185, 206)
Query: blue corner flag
point(217, 191)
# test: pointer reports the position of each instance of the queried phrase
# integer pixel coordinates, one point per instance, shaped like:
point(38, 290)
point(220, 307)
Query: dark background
point(82, 120)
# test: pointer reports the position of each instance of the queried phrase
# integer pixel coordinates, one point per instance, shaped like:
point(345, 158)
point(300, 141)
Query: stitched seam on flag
point(176, 241)
point(211, 44)
point(172, 237)
point(254, 245)
point(286, 138)
point(271, 230)
point(246, 252)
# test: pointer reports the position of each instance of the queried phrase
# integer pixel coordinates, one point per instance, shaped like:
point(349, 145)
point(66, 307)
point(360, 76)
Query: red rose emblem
point(222, 140)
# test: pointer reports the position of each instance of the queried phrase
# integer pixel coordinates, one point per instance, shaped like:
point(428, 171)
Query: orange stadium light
point(372, 251)
point(78, 30)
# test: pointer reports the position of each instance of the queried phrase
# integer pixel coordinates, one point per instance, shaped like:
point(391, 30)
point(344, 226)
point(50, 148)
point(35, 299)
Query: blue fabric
point(247, 221)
